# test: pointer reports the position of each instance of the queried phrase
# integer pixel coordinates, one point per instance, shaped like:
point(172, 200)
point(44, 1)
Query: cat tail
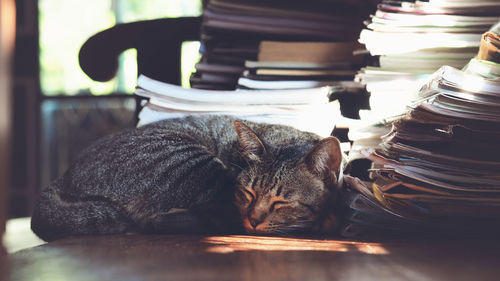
point(55, 217)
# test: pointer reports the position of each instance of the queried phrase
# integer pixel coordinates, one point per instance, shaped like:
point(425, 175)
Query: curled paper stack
point(437, 169)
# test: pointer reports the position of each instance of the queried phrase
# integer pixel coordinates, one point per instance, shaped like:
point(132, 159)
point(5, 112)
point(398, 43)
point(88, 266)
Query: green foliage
point(66, 24)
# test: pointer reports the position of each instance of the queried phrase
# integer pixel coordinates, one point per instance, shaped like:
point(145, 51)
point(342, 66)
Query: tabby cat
point(196, 173)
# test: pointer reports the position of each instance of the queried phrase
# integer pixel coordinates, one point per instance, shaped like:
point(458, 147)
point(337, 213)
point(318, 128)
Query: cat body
point(209, 165)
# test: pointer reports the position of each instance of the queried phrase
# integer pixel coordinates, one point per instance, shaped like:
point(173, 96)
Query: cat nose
point(255, 221)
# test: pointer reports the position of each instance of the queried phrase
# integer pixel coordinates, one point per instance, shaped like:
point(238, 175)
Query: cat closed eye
point(277, 204)
point(248, 194)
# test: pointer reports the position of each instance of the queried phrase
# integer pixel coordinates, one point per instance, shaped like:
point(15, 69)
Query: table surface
point(182, 257)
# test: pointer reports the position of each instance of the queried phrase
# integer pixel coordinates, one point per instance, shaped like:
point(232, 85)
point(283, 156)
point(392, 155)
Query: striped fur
point(133, 180)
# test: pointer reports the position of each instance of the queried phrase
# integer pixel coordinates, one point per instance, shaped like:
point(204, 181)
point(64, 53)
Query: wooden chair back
point(158, 44)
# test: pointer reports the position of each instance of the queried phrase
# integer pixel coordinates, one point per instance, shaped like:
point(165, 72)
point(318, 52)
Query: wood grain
point(177, 257)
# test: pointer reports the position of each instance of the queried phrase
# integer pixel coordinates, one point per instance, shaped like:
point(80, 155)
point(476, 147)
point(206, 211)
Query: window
point(65, 25)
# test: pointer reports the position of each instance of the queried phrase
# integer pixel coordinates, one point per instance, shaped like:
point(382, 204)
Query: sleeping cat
point(206, 172)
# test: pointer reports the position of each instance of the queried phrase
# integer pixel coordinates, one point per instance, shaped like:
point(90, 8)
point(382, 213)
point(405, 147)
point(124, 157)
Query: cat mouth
point(261, 228)
point(254, 231)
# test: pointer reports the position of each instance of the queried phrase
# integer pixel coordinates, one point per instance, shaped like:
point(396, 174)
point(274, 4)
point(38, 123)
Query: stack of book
point(412, 39)
point(299, 65)
point(438, 169)
point(299, 108)
point(232, 32)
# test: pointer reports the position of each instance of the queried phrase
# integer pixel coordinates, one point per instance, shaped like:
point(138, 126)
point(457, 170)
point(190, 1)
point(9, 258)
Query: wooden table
point(180, 257)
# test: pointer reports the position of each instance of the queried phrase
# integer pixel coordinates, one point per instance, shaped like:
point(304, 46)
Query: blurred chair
point(158, 44)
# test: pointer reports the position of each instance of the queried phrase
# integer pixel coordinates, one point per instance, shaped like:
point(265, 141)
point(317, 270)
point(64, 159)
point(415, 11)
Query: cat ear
point(325, 158)
point(251, 146)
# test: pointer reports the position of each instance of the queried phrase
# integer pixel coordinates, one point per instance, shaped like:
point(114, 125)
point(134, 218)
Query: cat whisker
point(286, 229)
point(236, 165)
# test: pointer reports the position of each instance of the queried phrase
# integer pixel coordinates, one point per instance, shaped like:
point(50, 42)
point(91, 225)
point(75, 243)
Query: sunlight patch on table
point(229, 244)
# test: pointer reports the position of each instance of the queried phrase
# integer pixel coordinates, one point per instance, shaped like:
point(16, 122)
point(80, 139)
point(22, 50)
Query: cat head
point(285, 190)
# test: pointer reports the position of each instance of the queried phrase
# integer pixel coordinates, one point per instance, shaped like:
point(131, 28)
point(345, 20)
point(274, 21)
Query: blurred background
point(56, 109)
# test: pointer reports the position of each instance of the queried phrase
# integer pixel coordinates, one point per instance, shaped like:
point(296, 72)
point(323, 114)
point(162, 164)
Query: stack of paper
point(301, 109)
point(412, 40)
point(438, 168)
point(232, 31)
